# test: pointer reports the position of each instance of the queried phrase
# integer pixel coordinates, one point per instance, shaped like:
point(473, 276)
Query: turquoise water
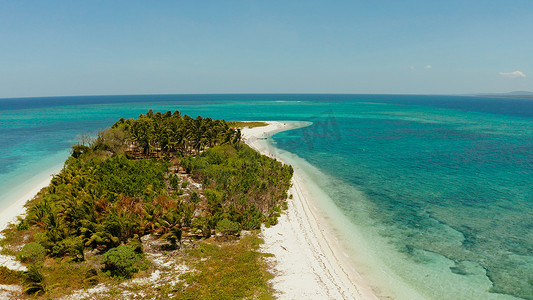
point(440, 187)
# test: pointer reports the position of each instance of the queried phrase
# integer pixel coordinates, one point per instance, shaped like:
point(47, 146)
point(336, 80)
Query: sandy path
point(309, 263)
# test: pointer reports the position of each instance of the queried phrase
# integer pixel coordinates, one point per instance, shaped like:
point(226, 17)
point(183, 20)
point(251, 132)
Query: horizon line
point(247, 93)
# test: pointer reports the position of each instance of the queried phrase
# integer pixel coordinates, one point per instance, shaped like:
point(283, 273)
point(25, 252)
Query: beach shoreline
point(11, 214)
point(308, 262)
point(16, 208)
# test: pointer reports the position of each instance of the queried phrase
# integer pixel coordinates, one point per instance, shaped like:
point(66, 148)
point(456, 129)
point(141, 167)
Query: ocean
point(436, 190)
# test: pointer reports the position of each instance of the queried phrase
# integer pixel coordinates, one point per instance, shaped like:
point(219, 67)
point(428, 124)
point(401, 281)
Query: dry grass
point(208, 269)
point(8, 276)
point(228, 270)
point(13, 239)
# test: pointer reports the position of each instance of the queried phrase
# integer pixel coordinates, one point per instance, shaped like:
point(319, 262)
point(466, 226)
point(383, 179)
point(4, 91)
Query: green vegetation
point(246, 184)
point(32, 253)
point(226, 271)
point(227, 227)
point(243, 124)
point(122, 261)
point(8, 276)
point(165, 175)
point(34, 281)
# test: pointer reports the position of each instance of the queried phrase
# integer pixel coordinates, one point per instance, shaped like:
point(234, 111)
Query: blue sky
point(52, 48)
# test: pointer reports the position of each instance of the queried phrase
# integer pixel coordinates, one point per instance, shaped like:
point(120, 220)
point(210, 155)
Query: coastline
point(308, 262)
point(16, 208)
point(9, 215)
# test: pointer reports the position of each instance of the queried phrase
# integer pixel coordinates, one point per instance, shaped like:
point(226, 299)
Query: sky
point(56, 48)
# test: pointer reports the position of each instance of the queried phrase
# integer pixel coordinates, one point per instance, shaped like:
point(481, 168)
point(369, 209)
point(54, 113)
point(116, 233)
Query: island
point(162, 195)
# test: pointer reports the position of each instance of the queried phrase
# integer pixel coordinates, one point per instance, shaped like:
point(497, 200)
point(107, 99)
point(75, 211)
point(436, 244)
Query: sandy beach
point(308, 261)
point(10, 215)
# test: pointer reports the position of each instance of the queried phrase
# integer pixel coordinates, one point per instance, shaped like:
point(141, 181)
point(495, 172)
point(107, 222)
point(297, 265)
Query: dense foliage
point(240, 181)
point(8, 276)
point(162, 174)
point(169, 133)
point(122, 261)
point(34, 281)
point(98, 203)
point(32, 253)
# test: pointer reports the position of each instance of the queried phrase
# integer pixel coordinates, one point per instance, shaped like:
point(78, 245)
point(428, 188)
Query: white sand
point(308, 261)
point(10, 215)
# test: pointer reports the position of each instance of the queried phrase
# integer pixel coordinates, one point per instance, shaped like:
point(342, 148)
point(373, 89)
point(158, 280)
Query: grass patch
point(221, 270)
point(226, 271)
point(13, 239)
point(242, 124)
point(64, 277)
point(8, 276)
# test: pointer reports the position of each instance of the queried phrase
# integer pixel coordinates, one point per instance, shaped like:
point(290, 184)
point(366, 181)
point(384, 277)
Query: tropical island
point(163, 195)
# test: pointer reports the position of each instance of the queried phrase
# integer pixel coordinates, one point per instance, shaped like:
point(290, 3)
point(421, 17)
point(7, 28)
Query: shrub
point(174, 182)
point(34, 281)
point(71, 246)
point(78, 150)
point(204, 225)
point(136, 244)
point(32, 253)
point(195, 198)
point(43, 240)
point(227, 227)
point(8, 276)
point(122, 261)
point(91, 277)
point(273, 216)
point(252, 219)
point(173, 237)
point(23, 225)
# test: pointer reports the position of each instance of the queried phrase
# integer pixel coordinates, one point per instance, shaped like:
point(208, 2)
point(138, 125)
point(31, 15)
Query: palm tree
point(34, 281)
point(174, 236)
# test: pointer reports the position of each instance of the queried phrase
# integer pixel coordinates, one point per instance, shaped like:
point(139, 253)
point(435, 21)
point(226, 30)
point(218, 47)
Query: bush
point(194, 198)
point(227, 227)
point(122, 261)
point(8, 276)
point(136, 244)
point(32, 253)
point(43, 240)
point(173, 237)
point(23, 225)
point(252, 219)
point(34, 281)
point(71, 246)
point(78, 150)
point(91, 277)
point(174, 182)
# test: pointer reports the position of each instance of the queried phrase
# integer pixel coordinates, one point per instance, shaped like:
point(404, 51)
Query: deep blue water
point(447, 180)
point(496, 105)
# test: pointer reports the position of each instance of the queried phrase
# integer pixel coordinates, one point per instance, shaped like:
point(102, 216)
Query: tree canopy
point(126, 184)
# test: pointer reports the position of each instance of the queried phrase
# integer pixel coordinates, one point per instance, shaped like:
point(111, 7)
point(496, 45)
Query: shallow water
point(439, 187)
